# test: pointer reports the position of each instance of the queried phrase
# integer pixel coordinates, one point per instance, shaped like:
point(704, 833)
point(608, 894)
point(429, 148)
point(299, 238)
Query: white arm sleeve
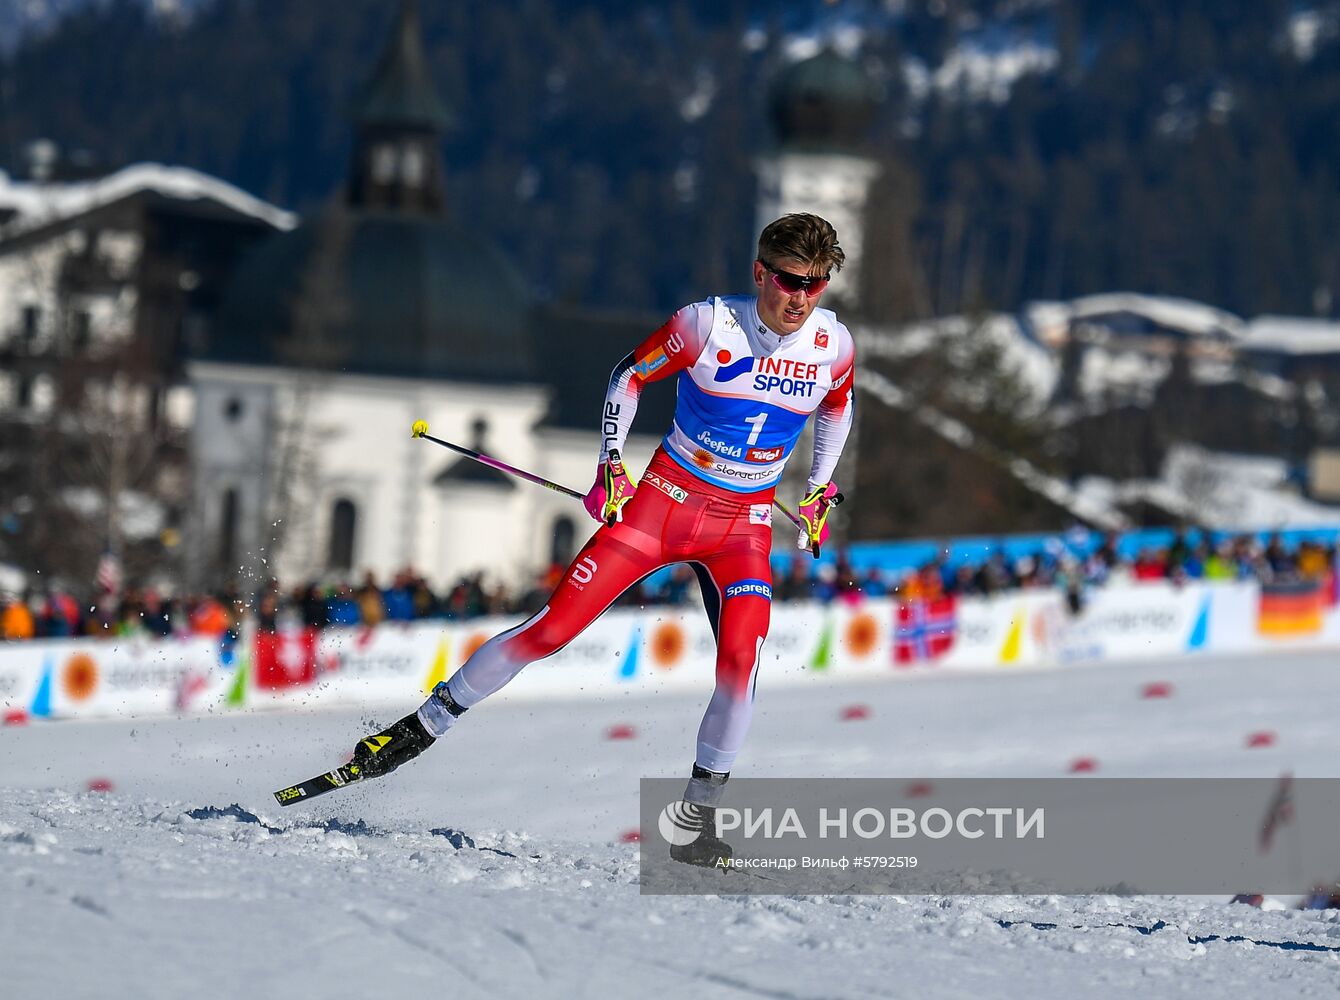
point(832, 420)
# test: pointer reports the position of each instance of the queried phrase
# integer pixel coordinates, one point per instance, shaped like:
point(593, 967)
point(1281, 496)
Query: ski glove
point(613, 488)
point(814, 510)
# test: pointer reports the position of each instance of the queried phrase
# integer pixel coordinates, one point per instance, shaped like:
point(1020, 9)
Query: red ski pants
point(673, 517)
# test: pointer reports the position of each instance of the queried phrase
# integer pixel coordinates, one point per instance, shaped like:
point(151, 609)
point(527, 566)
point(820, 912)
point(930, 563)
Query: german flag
point(1291, 609)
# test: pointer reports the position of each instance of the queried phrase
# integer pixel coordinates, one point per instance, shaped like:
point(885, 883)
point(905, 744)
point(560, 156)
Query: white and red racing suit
point(744, 395)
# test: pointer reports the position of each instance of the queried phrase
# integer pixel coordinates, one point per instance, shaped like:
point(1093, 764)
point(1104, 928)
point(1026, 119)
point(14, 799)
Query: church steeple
point(397, 156)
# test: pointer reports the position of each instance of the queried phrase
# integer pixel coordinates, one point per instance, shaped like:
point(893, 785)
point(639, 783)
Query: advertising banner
point(93, 678)
point(663, 648)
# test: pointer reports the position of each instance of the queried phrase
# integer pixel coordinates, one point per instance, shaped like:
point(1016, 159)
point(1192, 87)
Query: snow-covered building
point(104, 281)
point(1293, 346)
point(335, 337)
point(86, 266)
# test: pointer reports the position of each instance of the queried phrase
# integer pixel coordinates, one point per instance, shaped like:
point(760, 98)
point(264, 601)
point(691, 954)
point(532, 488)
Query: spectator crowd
point(408, 596)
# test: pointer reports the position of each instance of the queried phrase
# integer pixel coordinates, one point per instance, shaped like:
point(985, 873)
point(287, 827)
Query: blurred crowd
point(408, 596)
point(1055, 564)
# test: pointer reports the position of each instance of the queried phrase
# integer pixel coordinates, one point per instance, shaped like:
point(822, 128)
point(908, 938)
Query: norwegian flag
point(923, 630)
point(108, 575)
point(1279, 814)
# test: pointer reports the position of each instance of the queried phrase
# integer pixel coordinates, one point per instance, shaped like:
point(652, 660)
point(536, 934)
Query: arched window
point(228, 530)
point(343, 522)
point(560, 549)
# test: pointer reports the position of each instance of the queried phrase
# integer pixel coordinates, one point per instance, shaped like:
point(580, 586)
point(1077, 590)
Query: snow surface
point(492, 867)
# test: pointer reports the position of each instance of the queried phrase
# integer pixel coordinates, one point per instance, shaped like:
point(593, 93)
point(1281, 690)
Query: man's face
point(782, 312)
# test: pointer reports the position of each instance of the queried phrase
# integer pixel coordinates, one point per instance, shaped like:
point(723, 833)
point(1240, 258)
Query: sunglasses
point(792, 283)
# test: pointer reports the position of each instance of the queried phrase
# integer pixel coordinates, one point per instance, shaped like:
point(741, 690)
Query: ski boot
point(383, 753)
point(406, 739)
point(707, 850)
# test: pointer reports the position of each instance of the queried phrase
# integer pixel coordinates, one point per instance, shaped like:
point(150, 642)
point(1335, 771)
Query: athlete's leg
point(614, 559)
point(737, 590)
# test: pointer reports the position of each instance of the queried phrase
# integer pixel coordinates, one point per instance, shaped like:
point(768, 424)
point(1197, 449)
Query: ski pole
point(420, 430)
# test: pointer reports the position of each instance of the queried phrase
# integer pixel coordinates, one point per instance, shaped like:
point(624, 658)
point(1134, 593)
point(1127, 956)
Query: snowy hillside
point(494, 867)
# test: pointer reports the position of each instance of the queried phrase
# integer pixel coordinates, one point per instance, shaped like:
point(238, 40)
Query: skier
point(752, 369)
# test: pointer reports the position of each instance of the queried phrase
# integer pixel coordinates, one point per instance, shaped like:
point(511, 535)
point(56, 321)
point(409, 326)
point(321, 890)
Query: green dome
point(826, 101)
point(378, 293)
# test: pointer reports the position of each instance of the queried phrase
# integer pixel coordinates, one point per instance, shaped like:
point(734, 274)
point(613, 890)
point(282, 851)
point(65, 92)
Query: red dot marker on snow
point(1261, 738)
point(100, 785)
point(919, 789)
point(630, 837)
point(622, 731)
point(853, 713)
point(16, 717)
point(1156, 689)
point(1083, 765)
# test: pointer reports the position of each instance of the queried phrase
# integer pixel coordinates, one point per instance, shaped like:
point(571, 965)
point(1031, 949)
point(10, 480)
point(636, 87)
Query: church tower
point(399, 121)
point(822, 109)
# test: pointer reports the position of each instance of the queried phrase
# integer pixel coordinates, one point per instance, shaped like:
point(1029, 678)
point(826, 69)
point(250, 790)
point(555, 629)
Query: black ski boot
point(707, 850)
point(384, 752)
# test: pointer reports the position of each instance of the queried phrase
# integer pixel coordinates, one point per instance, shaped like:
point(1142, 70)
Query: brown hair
point(802, 237)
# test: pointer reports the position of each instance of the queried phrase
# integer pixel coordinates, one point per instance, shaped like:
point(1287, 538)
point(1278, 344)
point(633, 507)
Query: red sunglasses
point(792, 283)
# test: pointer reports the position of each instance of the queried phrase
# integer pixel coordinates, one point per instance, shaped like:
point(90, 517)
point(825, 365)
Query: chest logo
point(732, 370)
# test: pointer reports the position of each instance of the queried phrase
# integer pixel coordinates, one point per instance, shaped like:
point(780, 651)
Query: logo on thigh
point(750, 588)
point(583, 571)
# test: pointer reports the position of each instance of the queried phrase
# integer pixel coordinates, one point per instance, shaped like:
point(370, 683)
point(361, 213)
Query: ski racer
point(751, 371)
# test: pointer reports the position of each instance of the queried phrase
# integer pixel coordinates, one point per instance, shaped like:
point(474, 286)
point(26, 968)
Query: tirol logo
point(583, 571)
point(680, 823)
point(674, 343)
point(763, 454)
point(746, 588)
point(731, 370)
point(821, 337)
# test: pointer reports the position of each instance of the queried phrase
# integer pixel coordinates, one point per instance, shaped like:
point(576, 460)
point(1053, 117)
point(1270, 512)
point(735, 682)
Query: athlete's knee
point(544, 638)
point(736, 661)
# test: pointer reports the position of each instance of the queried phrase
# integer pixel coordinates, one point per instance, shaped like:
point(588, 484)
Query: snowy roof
point(1194, 318)
point(1292, 335)
point(38, 204)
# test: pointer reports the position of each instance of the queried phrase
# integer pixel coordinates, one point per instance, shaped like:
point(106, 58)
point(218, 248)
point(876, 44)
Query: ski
point(320, 785)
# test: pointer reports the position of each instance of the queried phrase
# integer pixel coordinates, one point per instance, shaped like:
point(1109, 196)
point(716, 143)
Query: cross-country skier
point(752, 369)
